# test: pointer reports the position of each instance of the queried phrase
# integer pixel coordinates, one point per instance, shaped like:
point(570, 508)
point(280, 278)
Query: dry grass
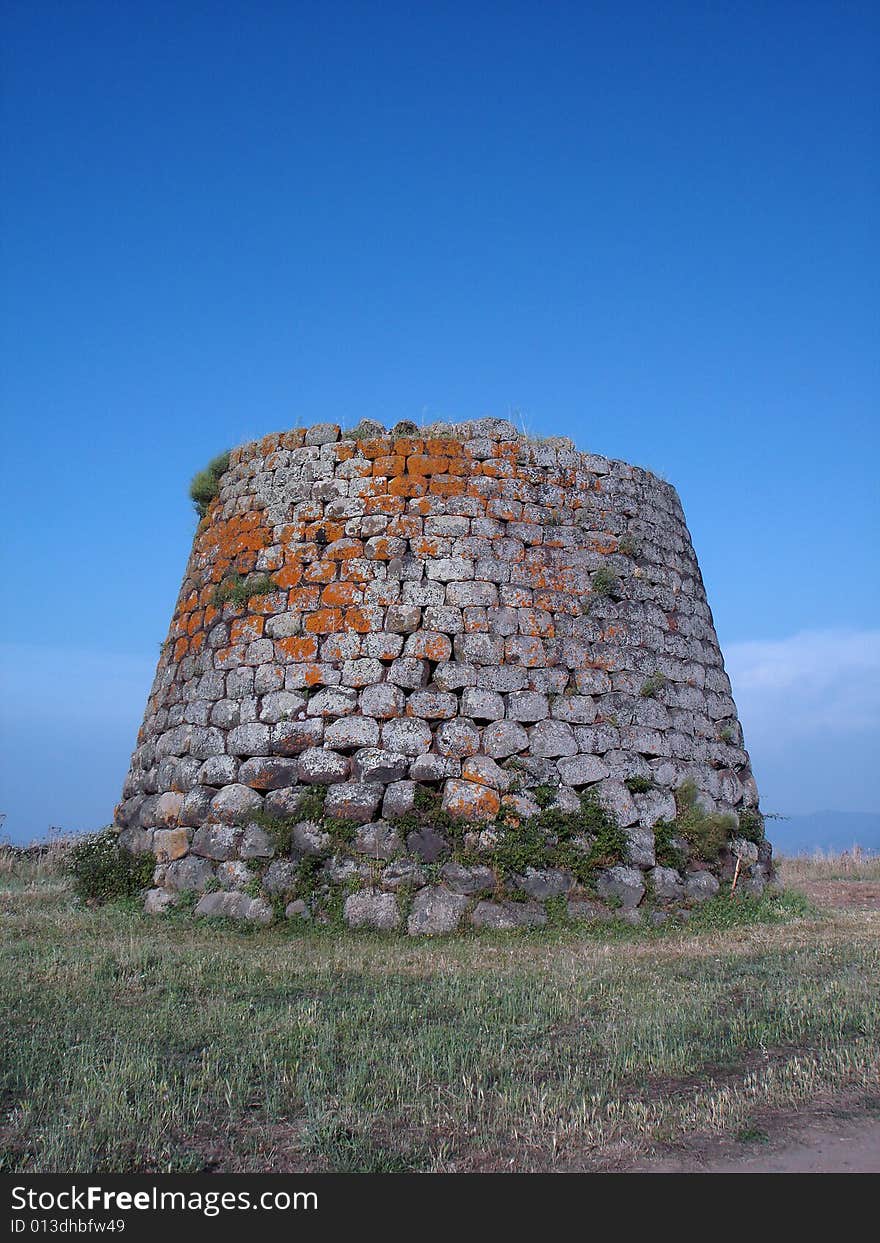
point(850, 865)
point(137, 1044)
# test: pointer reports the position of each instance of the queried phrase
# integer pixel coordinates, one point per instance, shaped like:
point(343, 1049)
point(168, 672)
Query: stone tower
point(439, 676)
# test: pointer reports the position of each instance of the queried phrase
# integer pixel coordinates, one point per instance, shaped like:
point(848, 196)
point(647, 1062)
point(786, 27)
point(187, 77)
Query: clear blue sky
point(652, 227)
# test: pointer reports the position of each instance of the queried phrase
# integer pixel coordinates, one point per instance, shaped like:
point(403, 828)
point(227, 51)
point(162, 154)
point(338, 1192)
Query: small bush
point(653, 685)
point(628, 546)
point(238, 590)
point(706, 832)
point(751, 825)
point(547, 840)
point(639, 785)
point(605, 581)
point(544, 795)
point(205, 485)
point(668, 855)
point(102, 870)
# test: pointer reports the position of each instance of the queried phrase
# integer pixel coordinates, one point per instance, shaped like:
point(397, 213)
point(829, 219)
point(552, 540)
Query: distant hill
point(826, 830)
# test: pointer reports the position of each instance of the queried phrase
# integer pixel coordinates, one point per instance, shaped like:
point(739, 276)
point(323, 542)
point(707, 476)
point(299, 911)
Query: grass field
point(137, 1044)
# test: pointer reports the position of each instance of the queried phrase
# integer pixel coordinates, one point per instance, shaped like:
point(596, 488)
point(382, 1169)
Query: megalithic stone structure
point(432, 677)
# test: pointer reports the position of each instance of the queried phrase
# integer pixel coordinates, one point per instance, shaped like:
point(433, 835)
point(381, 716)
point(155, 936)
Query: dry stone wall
point(453, 632)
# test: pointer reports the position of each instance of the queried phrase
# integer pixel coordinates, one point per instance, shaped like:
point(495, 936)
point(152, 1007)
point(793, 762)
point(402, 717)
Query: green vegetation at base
point(705, 832)
point(102, 871)
point(133, 1044)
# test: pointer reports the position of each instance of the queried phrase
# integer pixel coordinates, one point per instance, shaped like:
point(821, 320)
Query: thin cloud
point(811, 682)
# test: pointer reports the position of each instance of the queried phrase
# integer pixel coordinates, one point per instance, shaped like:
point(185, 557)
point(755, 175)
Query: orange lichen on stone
point(289, 576)
point(377, 446)
point(324, 621)
point(246, 629)
point(390, 466)
point(408, 486)
point(404, 446)
point(470, 800)
point(384, 505)
point(363, 620)
point(320, 572)
point(298, 647)
point(423, 464)
point(430, 645)
point(304, 598)
point(446, 485)
point(339, 593)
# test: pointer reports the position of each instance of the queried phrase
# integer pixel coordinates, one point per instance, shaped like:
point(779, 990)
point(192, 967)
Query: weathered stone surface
point(322, 434)
point(372, 908)
point(485, 771)
point(403, 874)
point(505, 916)
point(158, 901)
point(616, 798)
point(297, 909)
point(280, 876)
point(382, 701)
point(640, 846)
point(745, 850)
point(234, 905)
point(136, 841)
point(698, 886)
point(234, 803)
point(666, 883)
point(376, 765)
point(355, 800)
point(427, 844)
point(351, 732)
point(406, 736)
point(399, 798)
point(482, 705)
point(268, 773)
point(188, 873)
point(307, 837)
point(333, 701)
point(467, 880)
point(504, 738)
point(170, 844)
point(168, 807)
point(234, 874)
point(255, 843)
point(457, 739)
point(379, 840)
point(217, 841)
point(582, 770)
point(435, 619)
point(320, 767)
point(436, 910)
point(548, 883)
point(250, 739)
point(294, 737)
point(588, 911)
point(470, 800)
point(621, 884)
point(527, 706)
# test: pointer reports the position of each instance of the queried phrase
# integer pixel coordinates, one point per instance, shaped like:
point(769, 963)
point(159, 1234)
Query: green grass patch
point(205, 484)
point(132, 1044)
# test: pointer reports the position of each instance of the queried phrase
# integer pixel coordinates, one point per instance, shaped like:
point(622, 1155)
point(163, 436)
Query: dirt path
point(823, 1145)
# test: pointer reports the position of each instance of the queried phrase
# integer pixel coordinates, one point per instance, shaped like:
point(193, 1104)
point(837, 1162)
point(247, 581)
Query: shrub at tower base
point(436, 678)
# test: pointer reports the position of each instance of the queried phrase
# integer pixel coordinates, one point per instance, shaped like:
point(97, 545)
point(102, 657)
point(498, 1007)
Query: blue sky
point(652, 227)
